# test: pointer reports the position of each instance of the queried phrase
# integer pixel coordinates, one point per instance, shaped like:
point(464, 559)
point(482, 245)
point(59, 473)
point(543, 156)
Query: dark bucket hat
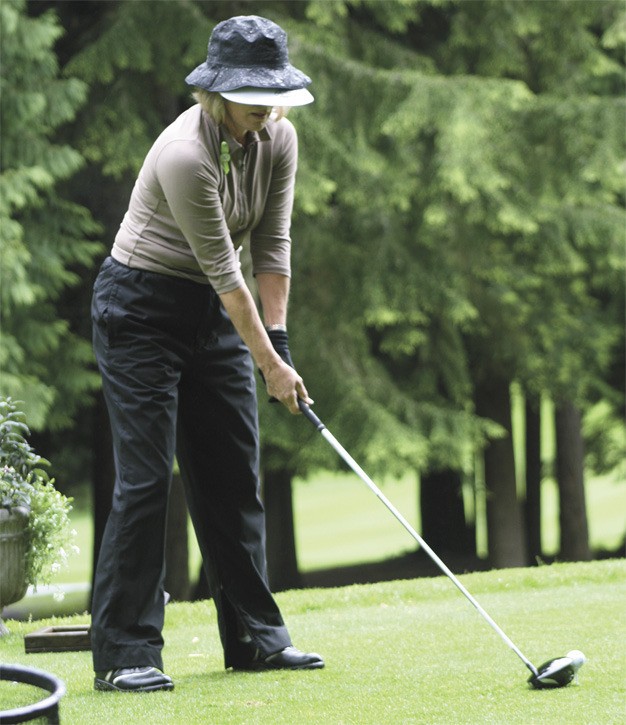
point(247, 51)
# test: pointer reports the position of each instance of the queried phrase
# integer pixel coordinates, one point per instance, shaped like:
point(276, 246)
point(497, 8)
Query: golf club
point(557, 672)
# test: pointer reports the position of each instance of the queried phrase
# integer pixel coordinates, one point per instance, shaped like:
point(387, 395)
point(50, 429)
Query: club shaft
point(439, 562)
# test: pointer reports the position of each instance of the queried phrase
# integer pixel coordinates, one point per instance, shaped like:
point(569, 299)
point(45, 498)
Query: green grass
point(340, 522)
point(396, 652)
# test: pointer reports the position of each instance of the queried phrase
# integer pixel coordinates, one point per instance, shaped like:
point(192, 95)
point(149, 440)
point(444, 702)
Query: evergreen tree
point(46, 239)
point(457, 218)
point(486, 215)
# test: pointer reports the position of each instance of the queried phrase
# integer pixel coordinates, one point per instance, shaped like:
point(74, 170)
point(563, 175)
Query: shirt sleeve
point(270, 241)
point(190, 187)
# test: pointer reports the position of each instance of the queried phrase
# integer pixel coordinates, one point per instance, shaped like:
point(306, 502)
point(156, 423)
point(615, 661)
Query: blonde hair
point(213, 104)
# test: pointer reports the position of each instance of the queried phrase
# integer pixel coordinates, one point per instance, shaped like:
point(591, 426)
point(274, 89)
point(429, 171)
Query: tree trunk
point(533, 479)
point(443, 516)
point(505, 533)
point(282, 561)
point(103, 475)
point(570, 479)
point(176, 544)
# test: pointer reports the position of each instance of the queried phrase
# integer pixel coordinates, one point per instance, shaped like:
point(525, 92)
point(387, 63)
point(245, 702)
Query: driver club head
point(558, 672)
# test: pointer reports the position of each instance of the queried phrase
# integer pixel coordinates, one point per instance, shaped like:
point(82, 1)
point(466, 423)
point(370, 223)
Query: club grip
point(308, 413)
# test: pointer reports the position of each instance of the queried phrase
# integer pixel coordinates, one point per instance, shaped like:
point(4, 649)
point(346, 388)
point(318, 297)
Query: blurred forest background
point(458, 248)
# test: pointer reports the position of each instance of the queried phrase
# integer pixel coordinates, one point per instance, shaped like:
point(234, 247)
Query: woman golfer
point(177, 337)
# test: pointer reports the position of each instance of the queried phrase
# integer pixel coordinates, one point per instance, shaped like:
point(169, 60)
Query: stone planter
point(13, 542)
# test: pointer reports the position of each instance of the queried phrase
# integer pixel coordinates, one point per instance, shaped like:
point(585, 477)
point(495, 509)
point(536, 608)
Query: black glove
point(280, 343)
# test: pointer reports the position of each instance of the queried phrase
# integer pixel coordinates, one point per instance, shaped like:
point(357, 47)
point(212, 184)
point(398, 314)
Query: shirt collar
point(263, 135)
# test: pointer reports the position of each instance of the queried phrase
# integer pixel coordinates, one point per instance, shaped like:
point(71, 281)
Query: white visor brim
point(268, 97)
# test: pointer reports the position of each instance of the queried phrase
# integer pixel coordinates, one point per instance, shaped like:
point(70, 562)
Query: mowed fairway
point(411, 651)
point(339, 521)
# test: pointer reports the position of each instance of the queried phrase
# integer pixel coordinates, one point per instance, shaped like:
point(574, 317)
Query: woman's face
point(241, 118)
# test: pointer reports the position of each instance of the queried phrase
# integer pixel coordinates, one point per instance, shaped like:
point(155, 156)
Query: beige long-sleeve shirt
point(187, 217)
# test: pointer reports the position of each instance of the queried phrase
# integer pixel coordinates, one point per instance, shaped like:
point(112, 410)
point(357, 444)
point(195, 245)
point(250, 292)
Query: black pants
point(178, 381)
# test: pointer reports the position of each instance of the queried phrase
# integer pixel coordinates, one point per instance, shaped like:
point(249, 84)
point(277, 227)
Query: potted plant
point(36, 536)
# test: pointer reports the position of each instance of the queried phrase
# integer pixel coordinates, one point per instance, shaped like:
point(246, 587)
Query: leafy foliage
point(467, 211)
point(25, 484)
point(133, 76)
point(44, 238)
point(15, 451)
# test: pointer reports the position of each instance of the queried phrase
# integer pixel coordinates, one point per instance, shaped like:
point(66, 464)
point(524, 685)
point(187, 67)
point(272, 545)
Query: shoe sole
point(104, 686)
point(268, 667)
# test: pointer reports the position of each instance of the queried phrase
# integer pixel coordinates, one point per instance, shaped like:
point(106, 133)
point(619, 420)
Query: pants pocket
point(102, 303)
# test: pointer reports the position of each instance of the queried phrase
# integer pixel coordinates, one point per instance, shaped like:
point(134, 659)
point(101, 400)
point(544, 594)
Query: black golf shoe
point(289, 658)
point(133, 679)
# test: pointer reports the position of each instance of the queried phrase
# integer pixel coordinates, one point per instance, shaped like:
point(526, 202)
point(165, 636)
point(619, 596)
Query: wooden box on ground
point(67, 638)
